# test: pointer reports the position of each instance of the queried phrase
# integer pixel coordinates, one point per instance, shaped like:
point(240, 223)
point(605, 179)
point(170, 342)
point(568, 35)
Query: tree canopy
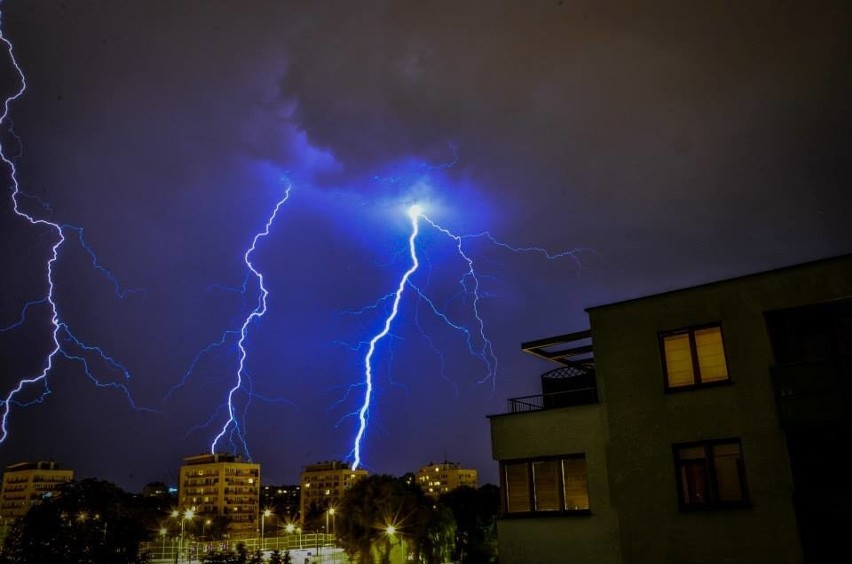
point(90, 521)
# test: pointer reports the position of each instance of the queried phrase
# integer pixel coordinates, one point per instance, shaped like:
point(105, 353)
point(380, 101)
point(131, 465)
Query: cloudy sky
point(664, 144)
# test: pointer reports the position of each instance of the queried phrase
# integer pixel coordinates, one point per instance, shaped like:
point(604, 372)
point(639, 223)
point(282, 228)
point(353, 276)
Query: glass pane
point(727, 462)
point(575, 478)
point(693, 482)
point(546, 485)
point(678, 360)
point(691, 453)
point(517, 487)
point(711, 354)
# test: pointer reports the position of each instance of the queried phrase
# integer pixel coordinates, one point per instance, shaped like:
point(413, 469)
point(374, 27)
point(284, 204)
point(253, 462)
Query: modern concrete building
point(437, 479)
point(222, 484)
point(27, 483)
point(323, 485)
point(702, 425)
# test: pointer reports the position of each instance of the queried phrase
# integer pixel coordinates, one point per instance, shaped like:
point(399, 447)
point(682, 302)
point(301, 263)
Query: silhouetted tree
point(376, 502)
point(91, 522)
point(475, 512)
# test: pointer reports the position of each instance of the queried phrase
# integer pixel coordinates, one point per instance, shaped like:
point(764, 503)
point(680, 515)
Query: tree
point(381, 511)
point(475, 512)
point(91, 522)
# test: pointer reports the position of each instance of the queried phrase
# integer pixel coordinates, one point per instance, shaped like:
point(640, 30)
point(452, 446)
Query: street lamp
point(163, 532)
point(187, 516)
point(330, 512)
point(390, 531)
point(266, 513)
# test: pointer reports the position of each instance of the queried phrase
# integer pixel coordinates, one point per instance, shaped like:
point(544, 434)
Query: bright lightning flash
point(232, 423)
point(470, 286)
point(61, 334)
point(414, 213)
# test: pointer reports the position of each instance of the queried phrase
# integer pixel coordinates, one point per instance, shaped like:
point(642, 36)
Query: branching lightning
point(414, 213)
point(478, 343)
point(63, 341)
point(232, 425)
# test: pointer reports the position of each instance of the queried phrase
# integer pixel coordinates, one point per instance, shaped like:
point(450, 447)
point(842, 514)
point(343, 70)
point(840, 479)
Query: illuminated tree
point(381, 511)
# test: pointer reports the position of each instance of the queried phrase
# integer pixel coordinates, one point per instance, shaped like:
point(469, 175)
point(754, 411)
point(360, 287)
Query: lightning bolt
point(478, 343)
point(414, 214)
point(62, 338)
point(233, 423)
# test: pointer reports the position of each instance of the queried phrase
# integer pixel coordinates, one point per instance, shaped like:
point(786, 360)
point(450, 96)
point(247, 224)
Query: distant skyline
point(659, 145)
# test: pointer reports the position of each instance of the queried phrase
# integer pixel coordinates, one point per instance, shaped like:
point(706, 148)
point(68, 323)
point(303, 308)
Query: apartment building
point(699, 425)
point(27, 483)
point(222, 484)
point(323, 485)
point(440, 478)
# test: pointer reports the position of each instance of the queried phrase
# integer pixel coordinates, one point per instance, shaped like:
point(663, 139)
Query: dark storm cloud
point(678, 142)
point(679, 121)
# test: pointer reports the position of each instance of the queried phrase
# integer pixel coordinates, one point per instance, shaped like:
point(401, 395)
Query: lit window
point(711, 474)
point(694, 357)
point(550, 485)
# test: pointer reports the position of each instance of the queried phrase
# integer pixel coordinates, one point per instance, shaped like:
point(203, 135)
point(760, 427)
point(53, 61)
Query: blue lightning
point(470, 286)
point(414, 213)
point(61, 334)
point(232, 423)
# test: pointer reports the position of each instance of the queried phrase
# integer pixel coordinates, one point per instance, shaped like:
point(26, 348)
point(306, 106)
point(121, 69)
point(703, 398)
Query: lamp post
point(163, 532)
point(266, 513)
point(187, 516)
point(390, 531)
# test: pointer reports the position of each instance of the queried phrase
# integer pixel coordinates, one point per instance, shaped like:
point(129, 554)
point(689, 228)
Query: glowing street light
point(327, 513)
point(390, 531)
point(266, 513)
point(163, 532)
point(187, 516)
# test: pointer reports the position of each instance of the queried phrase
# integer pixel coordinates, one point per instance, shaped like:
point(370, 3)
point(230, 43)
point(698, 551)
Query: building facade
point(323, 485)
point(27, 483)
point(437, 479)
point(704, 427)
point(225, 485)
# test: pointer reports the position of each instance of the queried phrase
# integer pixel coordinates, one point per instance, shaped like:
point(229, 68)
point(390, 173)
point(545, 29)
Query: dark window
point(710, 474)
point(812, 333)
point(547, 485)
point(694, 357)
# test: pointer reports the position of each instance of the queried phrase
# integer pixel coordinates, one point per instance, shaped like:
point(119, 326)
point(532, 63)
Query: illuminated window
point(694, 357)
point(711, 474)
point(550, 485)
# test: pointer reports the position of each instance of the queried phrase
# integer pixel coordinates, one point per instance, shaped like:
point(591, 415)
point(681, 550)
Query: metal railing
point(580, 396)
point(173, 550)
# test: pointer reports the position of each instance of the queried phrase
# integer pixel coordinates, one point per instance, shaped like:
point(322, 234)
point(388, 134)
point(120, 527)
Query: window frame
point(693, 350)
point(531, 486)
point(712, 483)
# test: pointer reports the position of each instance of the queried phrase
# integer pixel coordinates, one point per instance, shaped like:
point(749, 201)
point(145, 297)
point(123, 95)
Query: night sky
point(667, 145)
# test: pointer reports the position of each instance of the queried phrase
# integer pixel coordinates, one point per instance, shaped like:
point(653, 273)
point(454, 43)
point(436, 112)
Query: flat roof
point(838, 258)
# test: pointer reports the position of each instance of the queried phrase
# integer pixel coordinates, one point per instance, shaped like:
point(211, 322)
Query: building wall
point(222, 485)
point(324, 484)
point(591, 538)
point(25, 484)
point(443, 477)
point(644, 421)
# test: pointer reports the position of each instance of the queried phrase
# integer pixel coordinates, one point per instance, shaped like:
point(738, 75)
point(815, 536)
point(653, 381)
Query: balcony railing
point(579, 396)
